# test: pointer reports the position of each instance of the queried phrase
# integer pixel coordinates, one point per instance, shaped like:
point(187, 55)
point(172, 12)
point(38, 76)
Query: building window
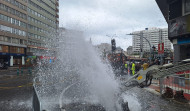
point(1, 38)
point(187, 6)
point(18, 50)
point(15, 41)
point(21, 41)
point(6, 39)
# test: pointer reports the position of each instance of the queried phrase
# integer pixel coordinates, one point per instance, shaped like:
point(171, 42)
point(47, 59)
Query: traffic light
point(113, 44)
point(154, 48)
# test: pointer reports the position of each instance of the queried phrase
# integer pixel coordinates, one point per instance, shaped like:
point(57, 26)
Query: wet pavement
point(15, 92)
point(16, 95)
point(148, 101)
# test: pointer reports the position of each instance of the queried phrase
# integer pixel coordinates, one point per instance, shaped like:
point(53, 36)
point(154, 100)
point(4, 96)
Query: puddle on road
point(16, 105)
point(133, 103)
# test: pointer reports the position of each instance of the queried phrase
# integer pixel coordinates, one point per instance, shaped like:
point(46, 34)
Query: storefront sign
point(47, 57)
point(161, 48)
point(3, 53)
point(33, 57)
point(12, 54)
point(183, 40)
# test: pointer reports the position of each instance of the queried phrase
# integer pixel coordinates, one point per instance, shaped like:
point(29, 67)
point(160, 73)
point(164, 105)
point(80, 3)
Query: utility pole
point(141, 44)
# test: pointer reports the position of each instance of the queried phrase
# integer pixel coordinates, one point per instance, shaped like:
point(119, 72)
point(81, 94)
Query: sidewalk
point(154, 87)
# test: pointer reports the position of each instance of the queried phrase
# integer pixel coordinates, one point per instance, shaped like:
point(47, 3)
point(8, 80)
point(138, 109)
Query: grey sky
point(113, 18)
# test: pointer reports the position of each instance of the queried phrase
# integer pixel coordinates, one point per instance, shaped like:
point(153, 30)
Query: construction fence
point(177, 82)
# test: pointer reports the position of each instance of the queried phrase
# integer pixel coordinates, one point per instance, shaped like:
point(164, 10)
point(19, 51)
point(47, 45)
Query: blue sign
point(11, 54)
point(183, 40)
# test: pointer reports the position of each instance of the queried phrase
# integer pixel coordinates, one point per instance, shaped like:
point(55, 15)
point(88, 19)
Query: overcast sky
point(102, 20)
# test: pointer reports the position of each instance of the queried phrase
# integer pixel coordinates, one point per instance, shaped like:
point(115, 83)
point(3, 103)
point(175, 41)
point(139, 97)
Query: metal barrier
point(36, 103)
point(176, 83)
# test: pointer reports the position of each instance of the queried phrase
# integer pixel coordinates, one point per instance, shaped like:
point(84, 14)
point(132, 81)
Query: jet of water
point(79, 69)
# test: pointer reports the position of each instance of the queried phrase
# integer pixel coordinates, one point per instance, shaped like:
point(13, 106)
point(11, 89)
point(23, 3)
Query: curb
point(157, 92)
point(154, 91)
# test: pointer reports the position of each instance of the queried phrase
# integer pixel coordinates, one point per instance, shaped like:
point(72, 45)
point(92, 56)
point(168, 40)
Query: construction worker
point(145, 66)
point(126, 67)
point(133, 68)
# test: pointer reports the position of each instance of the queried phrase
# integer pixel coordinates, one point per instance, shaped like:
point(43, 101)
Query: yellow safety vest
point(125, 65)
point(145, 66)
point(133, 66)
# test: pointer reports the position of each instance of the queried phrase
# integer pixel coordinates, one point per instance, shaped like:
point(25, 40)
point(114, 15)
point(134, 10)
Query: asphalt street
point(16, 95)
point(15, 92)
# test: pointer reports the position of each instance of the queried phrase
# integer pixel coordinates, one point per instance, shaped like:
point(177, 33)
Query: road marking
point(20, 86)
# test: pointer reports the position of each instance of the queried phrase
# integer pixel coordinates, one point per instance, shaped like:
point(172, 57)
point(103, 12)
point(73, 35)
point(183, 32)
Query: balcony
point(57, 10)
point(57, 3)
point(57, 16)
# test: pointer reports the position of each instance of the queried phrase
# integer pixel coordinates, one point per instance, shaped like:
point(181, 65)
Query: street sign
point(161, 48)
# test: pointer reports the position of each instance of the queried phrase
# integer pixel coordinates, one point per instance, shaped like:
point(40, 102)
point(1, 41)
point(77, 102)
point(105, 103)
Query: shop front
point(13, 59)
point(13, 55)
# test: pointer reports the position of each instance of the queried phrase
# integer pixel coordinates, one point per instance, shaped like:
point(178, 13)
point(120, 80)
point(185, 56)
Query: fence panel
point(176, 83)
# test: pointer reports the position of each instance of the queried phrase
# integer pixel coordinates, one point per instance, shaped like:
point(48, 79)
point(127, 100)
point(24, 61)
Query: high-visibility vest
point(133, 67)
point(125, 65)
point(145, 66)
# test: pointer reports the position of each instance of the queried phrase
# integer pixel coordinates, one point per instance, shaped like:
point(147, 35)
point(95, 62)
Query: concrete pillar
point(183, 52)
point(11, 61)
point(176, 52)
point(179, 52)
point(23, 62)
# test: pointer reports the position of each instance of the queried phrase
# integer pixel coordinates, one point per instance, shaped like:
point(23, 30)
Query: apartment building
point(154, 36)
point(25, 26)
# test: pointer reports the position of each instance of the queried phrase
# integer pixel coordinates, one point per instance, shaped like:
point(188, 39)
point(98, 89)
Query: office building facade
point(24, 28)
point(43, 19)
point(13, 31)
point(154, 36)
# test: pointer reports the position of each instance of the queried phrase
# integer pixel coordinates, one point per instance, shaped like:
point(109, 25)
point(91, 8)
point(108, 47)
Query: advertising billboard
point(161, 48)
point(179, 26)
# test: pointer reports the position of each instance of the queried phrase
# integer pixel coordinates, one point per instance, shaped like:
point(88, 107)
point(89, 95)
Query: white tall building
point(154, 36)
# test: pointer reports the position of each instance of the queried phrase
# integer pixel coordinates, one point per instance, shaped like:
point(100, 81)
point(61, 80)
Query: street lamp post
point(141, 36)
point(153, 49)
